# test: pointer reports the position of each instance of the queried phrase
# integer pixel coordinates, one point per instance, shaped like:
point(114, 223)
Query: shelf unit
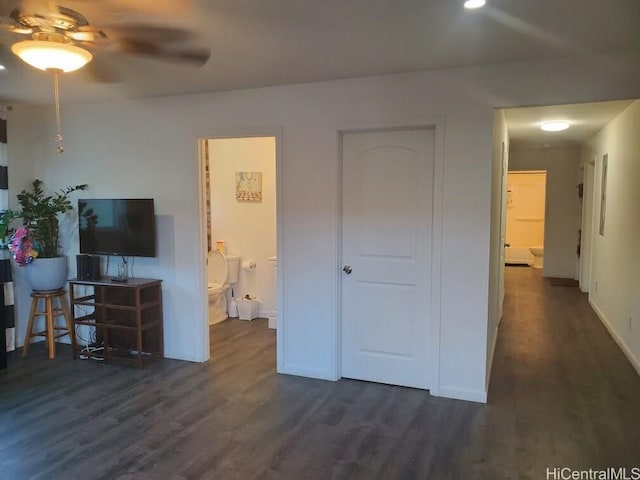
point(127, 318)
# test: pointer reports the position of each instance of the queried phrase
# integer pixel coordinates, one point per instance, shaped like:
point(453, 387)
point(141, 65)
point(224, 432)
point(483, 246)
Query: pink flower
point(22, 247)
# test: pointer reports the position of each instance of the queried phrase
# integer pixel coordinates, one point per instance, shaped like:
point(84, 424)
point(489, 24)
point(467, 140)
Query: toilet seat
point(217, 287)
point(218, 268)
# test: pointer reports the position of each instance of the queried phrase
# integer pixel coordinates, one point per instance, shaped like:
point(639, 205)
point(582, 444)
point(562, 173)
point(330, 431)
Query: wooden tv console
point(127, 317)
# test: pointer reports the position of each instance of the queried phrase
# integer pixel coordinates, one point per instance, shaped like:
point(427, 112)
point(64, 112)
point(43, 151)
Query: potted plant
point(38, 238)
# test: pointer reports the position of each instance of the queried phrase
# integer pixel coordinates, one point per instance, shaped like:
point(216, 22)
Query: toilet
point(223, 272)
point(538, 256)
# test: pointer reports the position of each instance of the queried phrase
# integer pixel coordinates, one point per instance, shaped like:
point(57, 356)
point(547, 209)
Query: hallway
point(562, 393)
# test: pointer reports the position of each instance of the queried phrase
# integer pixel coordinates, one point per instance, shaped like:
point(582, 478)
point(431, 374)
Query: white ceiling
point(277, 42)
point(585, 119)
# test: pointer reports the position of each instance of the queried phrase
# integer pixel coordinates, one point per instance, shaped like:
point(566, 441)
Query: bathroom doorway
point(526, 198)
point(239, 200)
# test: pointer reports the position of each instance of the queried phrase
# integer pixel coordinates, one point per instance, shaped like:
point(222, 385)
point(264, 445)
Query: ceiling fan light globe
point(45, 55)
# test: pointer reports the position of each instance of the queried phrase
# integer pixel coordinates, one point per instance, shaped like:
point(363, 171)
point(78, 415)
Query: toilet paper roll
point(248, 265)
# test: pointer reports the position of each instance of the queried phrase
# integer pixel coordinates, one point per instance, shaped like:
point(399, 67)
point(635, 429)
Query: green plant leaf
point(40, 213)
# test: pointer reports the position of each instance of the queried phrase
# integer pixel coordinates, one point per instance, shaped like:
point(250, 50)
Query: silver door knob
point(347, 269)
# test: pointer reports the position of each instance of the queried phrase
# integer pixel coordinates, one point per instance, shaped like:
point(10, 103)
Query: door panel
point(386, 239)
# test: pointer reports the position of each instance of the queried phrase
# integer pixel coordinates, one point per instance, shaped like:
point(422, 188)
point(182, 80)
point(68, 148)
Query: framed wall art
point(603, 193)
point(249, 186)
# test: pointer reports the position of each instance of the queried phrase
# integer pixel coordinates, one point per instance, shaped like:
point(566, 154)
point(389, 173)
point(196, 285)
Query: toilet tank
point(234, 267)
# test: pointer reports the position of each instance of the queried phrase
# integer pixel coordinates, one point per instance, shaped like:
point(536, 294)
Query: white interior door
point(387, 214)
point(503, 230)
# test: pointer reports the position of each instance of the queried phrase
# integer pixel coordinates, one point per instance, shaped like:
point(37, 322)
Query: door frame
point(502, 237)
point(437, 125)
point(203, 313)
point(589, 207)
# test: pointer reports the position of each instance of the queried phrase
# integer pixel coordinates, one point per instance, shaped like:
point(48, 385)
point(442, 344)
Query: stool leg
point(27, 337)
point(67, 319)
point(51, 341)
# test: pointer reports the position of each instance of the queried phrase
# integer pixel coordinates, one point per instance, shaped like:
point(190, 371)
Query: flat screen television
point(117, 226)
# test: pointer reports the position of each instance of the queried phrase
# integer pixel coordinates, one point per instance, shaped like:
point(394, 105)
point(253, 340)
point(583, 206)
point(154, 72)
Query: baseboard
point(306, 372)
point(634, 361)
point(186, 356)
point(462, 394)
point(492, 351)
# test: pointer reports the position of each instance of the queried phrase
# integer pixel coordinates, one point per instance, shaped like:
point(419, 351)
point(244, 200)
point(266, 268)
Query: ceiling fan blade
point(163, 42)
point(100, 70)
point(186, 54)
point(8, 6)
point(87, 34)
point(197, 56)
point(159, 8)
point(16, 29)
point(147, 33)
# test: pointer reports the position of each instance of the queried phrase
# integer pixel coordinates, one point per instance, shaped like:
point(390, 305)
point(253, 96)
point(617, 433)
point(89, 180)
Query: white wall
point(150, 148)
point(615, 280)
point(247, 228)
point(562, 205)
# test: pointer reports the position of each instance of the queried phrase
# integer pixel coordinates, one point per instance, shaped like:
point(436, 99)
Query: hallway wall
point(562, 204)
point(615, 282)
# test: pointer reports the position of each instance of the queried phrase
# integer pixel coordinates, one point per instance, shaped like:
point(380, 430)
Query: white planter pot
point(47, 273)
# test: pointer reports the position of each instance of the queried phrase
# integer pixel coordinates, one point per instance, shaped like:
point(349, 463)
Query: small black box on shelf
point(88, 267)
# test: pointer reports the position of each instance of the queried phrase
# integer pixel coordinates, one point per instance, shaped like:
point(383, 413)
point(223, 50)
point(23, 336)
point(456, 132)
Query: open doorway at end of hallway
point(526, 195)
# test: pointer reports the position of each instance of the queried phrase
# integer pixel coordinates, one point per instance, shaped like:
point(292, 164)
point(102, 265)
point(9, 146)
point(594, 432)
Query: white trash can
point(247, 308)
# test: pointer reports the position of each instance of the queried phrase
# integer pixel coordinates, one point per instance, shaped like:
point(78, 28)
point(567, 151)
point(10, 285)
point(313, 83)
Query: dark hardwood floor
point(562, 394)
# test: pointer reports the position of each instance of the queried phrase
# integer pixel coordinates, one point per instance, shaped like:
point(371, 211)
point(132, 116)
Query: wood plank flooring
point(562, 394)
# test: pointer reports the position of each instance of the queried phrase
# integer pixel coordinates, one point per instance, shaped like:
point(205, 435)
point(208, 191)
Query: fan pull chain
point(56, 93)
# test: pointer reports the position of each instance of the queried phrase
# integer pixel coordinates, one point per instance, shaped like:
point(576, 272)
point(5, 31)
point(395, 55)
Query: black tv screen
point(117, 226)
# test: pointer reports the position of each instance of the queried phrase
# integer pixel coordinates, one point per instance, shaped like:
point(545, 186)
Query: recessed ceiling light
point(555, 126)
point(471, 4)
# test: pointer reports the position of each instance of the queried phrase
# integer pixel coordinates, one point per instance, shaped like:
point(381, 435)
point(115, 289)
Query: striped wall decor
point(7, 320)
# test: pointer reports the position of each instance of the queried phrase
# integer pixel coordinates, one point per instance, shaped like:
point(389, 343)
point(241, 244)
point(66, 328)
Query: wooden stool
point(50, 312)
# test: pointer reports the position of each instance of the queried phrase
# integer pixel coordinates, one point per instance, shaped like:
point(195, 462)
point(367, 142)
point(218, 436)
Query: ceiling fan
point(57, 39)
point(42, 24)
